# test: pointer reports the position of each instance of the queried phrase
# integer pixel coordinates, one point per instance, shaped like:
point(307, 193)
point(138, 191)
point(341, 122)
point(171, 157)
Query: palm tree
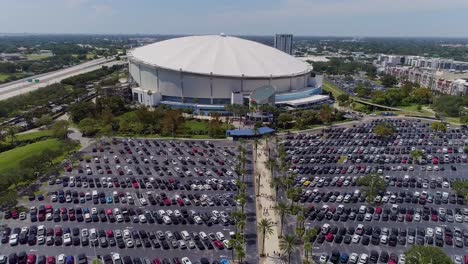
point(271, 164)
point(240, 252)
point(283, 210)
point(240, 225)
point(241, 198)
point(287, 245)
point(308, 238)
point(234, 242)
point(276, 183)
point(307, 250)
point(265, 226)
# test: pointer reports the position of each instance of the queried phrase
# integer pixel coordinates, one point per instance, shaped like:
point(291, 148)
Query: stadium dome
point(212, 70)
point(220, 56)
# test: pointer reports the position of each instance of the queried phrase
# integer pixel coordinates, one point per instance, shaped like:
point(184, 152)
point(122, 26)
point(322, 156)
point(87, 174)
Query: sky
point(400, 18)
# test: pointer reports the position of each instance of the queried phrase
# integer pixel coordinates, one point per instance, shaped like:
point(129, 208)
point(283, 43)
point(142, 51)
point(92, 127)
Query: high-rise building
point(284, 42)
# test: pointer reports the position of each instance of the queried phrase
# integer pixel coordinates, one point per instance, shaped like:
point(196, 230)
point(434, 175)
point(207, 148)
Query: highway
point(22, 86)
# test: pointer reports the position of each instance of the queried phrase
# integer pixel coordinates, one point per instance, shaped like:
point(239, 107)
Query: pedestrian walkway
point(265, 205)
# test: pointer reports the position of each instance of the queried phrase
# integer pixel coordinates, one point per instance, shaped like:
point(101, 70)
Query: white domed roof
point(221, 55)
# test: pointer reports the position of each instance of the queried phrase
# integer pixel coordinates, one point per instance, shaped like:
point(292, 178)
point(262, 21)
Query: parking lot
point(418, 207)
point(138, 201)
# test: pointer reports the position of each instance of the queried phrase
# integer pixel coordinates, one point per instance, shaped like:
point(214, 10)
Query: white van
point(95, 194)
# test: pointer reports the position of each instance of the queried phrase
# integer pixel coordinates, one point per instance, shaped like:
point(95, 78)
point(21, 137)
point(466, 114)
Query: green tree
point(288, 245)
point(363, 89)
point(265, 227)
point(173, 122)
point(44, 120)
point(283, 210)
point(438, 126)
point(417, 154)
point(388, 81)
point(326, 114)
point(461, 188)
point(88, 126)
point(60, 129)
point(81, 110)
point(11, 132)
point(427, 255)
point(284, 119)
point(384, 130)
point(421, 95)
point(373, 185)
point(342, 99)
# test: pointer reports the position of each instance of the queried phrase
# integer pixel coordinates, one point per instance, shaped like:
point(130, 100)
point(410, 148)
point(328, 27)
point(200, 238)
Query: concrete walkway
point(265, 204)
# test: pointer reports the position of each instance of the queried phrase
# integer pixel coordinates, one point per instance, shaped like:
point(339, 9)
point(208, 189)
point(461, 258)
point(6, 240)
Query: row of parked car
point(125, 238)
point(127, 215)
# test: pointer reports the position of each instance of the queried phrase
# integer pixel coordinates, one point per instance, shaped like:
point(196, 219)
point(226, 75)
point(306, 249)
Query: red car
point(135, 185)
point(156, 261)
point(14, 214)
point(218, 244)
point(180, 202)
point(329, 237)
point(48, 208)
point(31, 259)
point(409, 218)
point(50, 260)
point(110, 233)
point(434, 218)
point(58, 231)
point(378, 210)
point(72, 217)
point(167, 202)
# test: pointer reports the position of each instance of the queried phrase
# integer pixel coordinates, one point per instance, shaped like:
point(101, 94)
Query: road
point(22, 86)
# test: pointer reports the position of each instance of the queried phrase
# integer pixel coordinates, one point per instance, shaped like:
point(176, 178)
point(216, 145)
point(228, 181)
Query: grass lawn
point(453, 120)
point(12, 158)
point(413, 108)
point(196, 126)
point(327, 86)
point(34, 135)
point(37, 56)
point(90, 56)
point(3, 77)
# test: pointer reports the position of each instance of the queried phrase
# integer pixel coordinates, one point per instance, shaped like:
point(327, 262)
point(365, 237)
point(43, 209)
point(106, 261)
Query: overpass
point(22, 86)
point(376, 105)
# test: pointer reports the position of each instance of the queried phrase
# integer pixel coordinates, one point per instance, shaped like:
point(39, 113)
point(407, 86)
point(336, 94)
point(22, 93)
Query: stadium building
point(207, 72)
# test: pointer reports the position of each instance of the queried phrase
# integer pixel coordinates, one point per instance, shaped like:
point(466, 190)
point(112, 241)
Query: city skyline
point(396, 18)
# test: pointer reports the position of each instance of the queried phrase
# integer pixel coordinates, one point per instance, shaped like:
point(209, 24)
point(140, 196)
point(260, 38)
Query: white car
point(116, 258)
point(402, 259)
point(323, 258)
point(13, 240)
point(384, 239)
point(353, 258)
point(66, 239)
point(220, 236)
point(356, 239)
point(186, 260)
point(429, 232)
point(363, 259)
point(61, 259)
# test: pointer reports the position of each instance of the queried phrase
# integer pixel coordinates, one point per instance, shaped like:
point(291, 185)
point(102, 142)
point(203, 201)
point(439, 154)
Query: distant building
point(284, 42)
point(447, 82)
point(12, 57)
